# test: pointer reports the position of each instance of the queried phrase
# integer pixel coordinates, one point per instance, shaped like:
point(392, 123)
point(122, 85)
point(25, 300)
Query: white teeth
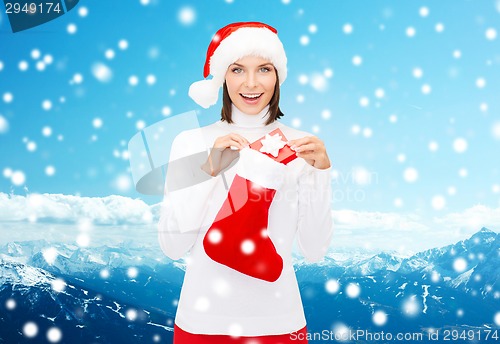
point(251, 95)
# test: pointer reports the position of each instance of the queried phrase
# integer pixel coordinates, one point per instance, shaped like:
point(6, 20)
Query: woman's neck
point(244, 120)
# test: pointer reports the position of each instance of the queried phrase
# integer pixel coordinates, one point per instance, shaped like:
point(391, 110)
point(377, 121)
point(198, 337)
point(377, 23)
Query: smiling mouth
point(251, 95)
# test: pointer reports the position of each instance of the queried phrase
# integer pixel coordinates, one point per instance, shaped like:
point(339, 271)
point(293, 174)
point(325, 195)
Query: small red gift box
point(285, 154)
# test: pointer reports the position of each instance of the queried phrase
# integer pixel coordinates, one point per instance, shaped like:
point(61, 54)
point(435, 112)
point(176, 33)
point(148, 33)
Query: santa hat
point(228, 45)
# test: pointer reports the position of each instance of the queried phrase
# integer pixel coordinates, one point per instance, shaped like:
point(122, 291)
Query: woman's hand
point(225, 150)
point(312, 150)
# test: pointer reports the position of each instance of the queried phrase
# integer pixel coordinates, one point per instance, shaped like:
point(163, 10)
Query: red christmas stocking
point(238, 237)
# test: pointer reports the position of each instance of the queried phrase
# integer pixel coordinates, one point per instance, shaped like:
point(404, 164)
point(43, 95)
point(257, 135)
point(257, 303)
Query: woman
point(238, 211)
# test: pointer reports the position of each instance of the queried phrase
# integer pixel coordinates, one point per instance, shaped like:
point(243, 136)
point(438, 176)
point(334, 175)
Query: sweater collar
point(244, 120)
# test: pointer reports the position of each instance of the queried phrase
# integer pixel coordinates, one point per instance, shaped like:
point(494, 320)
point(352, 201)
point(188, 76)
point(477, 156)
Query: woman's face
point(250, 83)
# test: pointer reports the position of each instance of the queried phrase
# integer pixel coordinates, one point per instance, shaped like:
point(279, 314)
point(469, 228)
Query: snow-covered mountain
point(135, 288)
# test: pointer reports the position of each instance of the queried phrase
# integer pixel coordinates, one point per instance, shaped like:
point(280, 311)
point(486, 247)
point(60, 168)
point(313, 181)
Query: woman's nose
point(251, 80)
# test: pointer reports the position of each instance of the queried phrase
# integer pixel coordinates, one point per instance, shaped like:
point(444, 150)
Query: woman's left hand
point(312, 150)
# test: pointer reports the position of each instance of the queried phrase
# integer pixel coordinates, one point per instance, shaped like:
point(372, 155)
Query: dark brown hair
point(274, 103)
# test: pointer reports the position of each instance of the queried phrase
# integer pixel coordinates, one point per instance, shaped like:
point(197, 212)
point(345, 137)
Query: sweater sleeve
point(315, 223)
point(187, 194)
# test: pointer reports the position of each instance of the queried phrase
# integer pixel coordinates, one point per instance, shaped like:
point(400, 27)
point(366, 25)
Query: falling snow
point(50, 255)
point(379, 318)
point(347, 28)
point(410, 175)
point(353, 290)
point(131, 314)
point(357, 60)
point(332, 286)
point(71, 29)
point(8, 97)
point(30, 329)
point(132, 272)
point(460, 265)
point(102, 72)
point(10, 304)
point(496, 319)
point(460, 145)
point(438, 202)
point(4, 125)
point(187, 16)
point(54, 335)
point(58, 285)
point(411, 307)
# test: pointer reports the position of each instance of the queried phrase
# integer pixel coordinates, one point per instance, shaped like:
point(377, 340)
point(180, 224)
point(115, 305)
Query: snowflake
point(123, 44)
point(438, 202)
point(357, 60)
point(423, 11)
point(71, 28)
point(54, 335)
point(411, 306)
point(417, 72)
point(18, 178)
point(133, 80)
point(272, 144)
point(460, 265)
point(23, 65)
point(10, 304)
point(460, 145)
point(186, 16)
point(83, 11)
point(215, 236)
point(439, 27)
point(379, 318)
point(104, 273)
point(341, 332)
point(347, 28)
point(4, 125)
point(332, 286)
point(326, 114)
point(30, 329)
point(353, 290)
point(102, 72)
point(8, 97)
point(410, 175)
point(491, 34)
point(150, 79)
point(247, 246)
point(426, 89)
point(497, 318)
point(433, 146)
point(410, 31)
point(132, 272)
point(480, 82)
point(97, 122)
point(83, 240)
point(109, 54)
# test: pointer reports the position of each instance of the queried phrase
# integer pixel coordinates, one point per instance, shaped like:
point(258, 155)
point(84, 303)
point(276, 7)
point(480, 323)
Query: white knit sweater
point(214, 298)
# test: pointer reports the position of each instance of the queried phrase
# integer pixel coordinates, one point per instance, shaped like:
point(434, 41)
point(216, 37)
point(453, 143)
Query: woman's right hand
point(225, 150)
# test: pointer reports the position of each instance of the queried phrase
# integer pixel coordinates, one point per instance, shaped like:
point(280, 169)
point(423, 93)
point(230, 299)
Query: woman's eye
point(265, 69)
point(236, 70)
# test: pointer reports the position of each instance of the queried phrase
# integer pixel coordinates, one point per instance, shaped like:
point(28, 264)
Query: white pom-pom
point(205, 92)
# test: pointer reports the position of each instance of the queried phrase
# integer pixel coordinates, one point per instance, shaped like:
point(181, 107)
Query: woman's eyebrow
point(262, 65)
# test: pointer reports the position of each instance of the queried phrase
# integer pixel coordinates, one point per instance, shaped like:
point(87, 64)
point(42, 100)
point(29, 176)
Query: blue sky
point(404, 95)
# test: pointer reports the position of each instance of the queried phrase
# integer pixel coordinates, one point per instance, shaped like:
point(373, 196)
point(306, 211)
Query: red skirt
point(183, 337)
